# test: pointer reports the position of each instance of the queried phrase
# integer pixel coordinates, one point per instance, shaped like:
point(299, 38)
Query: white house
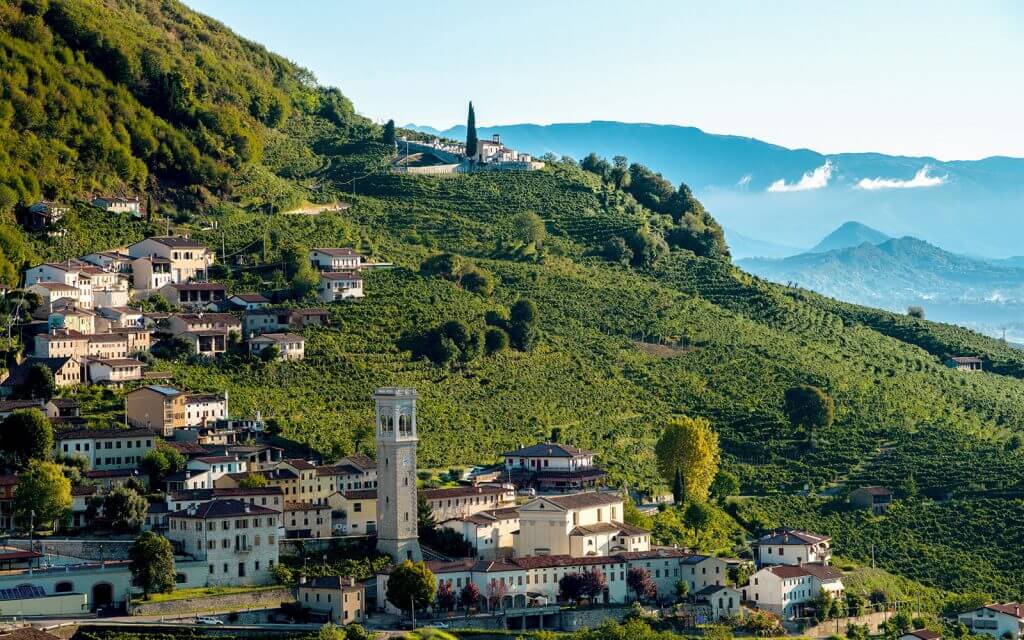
point(188, 259)
point(106, 448)
point(335, 259)
point(786, 589)
point(51, 292)
point(522, 582)
point(193, 295)
point(457, 502)
point(581, 524)
point(119, 317)
point(204, 408)
point(115, 204)
point(490, 533)
point(237, 540)
point(723, 602)
point(113, 371)
point(290, 345)
point(553, 466)
point(207, 469)
point(110, 260)
point(248, 301)
point(791, 546)
point(339, 285)
point(997, 620)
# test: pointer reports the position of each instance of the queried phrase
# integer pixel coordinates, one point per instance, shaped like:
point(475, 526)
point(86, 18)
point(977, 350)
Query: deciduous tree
point(411, 584)
point(26, 435)
point(690, 446)
point(641, 584)
point(809, 408)
point(125, 509)
point(44, 491)
point(152, 564)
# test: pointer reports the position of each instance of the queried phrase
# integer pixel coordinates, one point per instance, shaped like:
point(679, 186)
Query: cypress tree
point(678, 489)
point(471, 139)
point(389, 133)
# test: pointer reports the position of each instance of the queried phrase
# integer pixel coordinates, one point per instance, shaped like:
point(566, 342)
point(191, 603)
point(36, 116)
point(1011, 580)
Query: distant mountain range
point(860, 264)
point(792, 197)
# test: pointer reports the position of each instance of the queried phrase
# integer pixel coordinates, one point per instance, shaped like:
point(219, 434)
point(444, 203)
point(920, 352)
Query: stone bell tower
point(396, 473)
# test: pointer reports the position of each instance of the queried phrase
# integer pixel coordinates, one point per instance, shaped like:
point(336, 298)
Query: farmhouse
point(237, 540)
point(552, 467)
point(786, 589)
point(997, 620)
point(965, 363)
point(876, 499)
point(335, 259)
point(193, 295)
point(342, 600)
point(339, 285)
point(186, 259)
point(791, 546)
point(290, 346)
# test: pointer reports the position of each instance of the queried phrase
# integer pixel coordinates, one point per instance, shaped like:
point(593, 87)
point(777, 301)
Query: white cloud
point(920, 179)
point(745, 180)
point(816, 179)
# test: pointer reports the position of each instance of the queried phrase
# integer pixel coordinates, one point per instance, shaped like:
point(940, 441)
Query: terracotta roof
point(118, 362)
point(110, 473)
point(12, 405)
point(18, 374)
point(489, 517)
point(299, 463)
point(923, 634)
point(591, 529)
point(360, 460)
point(277, 337)
point(250, 297)
point(226, 318)
point(820, 571)
point(874, 491)
point(1014, 609)
point(338, 470)
point(106, 337)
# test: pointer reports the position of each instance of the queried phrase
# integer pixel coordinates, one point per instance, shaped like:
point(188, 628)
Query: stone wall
point(84, 549)
point(585, 618)
point(263, 599)
point(838, 627)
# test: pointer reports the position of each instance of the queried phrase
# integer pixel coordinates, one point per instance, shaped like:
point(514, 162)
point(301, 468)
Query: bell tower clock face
point(406, 460)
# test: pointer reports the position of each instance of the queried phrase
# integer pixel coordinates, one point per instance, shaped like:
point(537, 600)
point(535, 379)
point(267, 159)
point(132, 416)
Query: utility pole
point(412, 611)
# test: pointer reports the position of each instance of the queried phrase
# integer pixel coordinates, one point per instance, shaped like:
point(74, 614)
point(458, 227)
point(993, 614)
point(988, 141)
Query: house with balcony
point(117, 204)
point(335, 259)
point(187, 259)
point(996, 620)
point(236, 539)
point(340, 285)
point(290, 346)
point(194, 295)
point(788, 589)
point(791, 547)
point(551, 466)
point(113, 371)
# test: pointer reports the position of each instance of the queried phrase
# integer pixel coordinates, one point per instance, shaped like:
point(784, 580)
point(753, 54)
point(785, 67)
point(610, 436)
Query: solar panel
point(22, 592)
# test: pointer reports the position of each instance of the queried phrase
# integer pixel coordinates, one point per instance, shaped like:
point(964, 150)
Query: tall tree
point(26, 435)
point(690, 446)
point(389, 133)
point(38, 383)
point(809, 408)
point(152, 563)
point(640, 583)
point(125, 509)
point(471, 138)
point(411, 585)
point(425, 523)
point(42, 495)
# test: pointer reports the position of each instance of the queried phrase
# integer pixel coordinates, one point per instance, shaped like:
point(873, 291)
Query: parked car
point(437, 625)
point(208, 620)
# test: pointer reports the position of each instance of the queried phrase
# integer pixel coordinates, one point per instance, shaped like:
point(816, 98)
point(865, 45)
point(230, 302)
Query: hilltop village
point(534, 540)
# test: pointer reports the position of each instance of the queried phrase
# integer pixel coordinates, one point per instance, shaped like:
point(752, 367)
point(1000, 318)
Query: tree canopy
point(43, 490)
point(690, 447)
point(26, 435)
point(411, 584)
point(152, 563)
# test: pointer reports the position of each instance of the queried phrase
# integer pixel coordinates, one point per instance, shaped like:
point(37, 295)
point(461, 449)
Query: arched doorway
point(102, 595)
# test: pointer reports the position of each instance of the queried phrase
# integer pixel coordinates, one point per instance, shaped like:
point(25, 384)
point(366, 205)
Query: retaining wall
point(263, 599)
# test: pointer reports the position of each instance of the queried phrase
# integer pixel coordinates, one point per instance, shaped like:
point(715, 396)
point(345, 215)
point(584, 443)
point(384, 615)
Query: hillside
point(795, 196)
point(641, 317)
point(849, 234)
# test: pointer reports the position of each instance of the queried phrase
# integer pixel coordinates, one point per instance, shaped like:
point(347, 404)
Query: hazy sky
point(915, 78)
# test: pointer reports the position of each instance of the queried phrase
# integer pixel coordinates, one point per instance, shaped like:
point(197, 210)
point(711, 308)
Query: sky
point(938, 78)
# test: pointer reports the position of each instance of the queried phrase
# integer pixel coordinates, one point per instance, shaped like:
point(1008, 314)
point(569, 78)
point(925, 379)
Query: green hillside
point(622, 346)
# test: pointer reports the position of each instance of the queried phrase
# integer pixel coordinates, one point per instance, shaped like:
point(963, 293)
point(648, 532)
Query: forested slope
point(641, 314)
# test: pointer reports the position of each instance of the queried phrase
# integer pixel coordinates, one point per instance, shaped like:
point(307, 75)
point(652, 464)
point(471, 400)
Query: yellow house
point(307, 520)
point(360, 509)
point(342, 599)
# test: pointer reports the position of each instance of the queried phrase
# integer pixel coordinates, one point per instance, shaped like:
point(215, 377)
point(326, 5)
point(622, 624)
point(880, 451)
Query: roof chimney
point(302, 579)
